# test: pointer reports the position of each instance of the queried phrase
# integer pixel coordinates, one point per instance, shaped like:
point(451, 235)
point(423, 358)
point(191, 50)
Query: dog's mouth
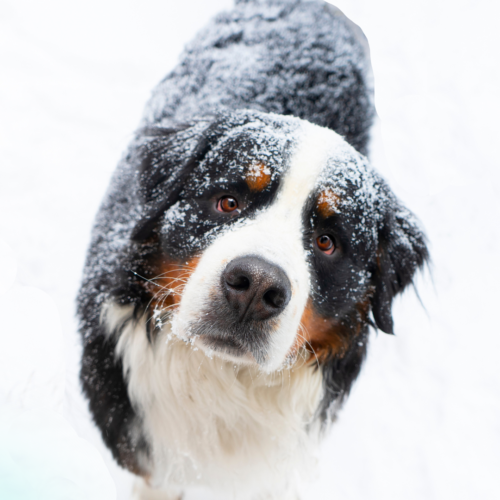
point(217, 331)
point(225, 344)
point(227, 348)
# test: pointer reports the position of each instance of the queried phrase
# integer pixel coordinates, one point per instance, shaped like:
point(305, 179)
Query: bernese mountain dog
point(243, 250)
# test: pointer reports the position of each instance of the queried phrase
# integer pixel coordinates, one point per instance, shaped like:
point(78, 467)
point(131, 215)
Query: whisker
point(181, 272)
point(303, 328)
point(184, 280)
point(145, 279)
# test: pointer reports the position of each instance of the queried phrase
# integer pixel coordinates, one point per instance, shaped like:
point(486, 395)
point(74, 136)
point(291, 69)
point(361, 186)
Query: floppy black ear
point(402, 250)
point(165, 159)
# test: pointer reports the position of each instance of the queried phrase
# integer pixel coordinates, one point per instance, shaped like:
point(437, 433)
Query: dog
point(242, 252)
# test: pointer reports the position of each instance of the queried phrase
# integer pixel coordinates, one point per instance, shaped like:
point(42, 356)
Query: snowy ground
point(423, 421)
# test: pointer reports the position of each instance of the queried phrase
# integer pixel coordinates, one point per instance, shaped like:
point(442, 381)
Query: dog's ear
point(165, 157)
point(402, 250)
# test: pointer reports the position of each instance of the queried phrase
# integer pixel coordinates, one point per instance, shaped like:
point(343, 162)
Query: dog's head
point(272, 236)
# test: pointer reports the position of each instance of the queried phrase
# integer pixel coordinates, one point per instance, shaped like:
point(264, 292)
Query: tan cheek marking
point(326, 336)
point(328, 203)
point(258, 176)
point(168, 285)
point(321, 335)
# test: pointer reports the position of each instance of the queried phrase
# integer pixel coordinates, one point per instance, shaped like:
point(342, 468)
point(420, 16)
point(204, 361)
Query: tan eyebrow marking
point(258, 176)
point(328, 203)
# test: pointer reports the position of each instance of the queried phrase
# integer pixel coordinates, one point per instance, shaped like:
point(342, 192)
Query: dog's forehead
point(320, 165)
point(277, 148)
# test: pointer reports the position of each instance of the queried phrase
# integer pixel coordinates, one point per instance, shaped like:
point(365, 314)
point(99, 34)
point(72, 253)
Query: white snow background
point(423, 420)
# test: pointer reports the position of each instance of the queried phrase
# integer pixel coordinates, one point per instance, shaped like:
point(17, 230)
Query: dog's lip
point(225, 348)
point(222, 342)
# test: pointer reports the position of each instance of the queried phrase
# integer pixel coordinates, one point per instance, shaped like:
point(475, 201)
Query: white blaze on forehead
point(276, 235)
point(316, 146)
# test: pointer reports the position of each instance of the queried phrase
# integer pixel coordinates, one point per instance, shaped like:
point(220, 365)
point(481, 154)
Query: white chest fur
point(210, 422)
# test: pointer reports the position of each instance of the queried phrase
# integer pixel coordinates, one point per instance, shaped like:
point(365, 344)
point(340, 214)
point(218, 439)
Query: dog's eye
point(227, 204)
point(325, 244)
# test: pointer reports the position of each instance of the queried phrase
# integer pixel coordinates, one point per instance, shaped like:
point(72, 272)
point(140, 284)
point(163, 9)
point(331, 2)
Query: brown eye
point(227, 204)
point(325, 244)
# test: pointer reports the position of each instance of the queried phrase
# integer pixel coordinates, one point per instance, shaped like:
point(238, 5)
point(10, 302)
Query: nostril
point(240, 282)
point(274, 298)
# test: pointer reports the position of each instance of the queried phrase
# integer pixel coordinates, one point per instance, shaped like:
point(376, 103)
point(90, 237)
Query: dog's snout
point(255, 289)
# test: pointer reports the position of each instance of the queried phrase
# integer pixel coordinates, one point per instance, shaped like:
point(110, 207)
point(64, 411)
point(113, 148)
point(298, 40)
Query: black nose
point(255, 288)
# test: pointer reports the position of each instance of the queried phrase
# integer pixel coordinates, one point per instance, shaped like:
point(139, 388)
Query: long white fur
point(236, 426)
point(210, 422)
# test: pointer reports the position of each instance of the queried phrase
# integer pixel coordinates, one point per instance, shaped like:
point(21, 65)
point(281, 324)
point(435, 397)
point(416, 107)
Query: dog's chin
point(222, 343)
point(226, 350)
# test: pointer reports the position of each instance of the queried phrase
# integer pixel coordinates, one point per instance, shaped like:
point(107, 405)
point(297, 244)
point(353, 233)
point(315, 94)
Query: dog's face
point(275, 235)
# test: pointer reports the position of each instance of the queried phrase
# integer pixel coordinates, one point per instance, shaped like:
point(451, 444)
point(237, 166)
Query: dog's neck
point(210, 421)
